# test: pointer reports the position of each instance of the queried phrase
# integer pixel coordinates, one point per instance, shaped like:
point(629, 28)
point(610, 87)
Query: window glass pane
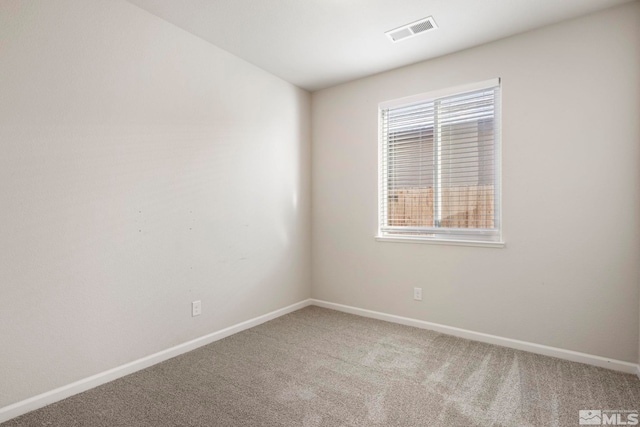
point(410, 177)
point(467, 158)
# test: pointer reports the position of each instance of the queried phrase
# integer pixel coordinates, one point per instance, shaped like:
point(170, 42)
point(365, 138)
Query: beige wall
point(569, 274)
point(141, 169)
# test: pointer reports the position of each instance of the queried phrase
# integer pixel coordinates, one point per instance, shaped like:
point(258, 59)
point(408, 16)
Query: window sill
point(439, 241)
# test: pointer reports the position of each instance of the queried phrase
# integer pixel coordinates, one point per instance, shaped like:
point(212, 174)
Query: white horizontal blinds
point(407, 159)
point(467, 160)
point(438, 166)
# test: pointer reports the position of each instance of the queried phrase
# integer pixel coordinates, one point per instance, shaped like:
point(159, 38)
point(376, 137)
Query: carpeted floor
point(318, 367)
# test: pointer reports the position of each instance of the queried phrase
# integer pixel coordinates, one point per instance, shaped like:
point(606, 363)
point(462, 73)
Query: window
point(440, 166)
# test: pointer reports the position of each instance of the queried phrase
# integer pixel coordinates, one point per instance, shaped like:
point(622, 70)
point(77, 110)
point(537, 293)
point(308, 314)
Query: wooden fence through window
point(469, 206)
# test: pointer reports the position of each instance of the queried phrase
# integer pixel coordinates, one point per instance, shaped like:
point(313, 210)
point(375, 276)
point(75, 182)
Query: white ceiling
point(319, 43)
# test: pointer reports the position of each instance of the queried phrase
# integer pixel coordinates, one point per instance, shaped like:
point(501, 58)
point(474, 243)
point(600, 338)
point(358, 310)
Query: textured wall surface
point(141, 169)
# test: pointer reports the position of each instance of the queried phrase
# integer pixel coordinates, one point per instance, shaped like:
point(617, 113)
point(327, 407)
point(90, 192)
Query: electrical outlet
point(417, 294)
point(196, 308)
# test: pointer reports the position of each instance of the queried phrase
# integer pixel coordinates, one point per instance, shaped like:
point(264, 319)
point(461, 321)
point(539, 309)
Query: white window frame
point(449, 236)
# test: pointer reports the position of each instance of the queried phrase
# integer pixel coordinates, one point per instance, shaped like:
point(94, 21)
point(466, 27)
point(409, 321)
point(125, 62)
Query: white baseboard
point(574, 356)
point(44, 399)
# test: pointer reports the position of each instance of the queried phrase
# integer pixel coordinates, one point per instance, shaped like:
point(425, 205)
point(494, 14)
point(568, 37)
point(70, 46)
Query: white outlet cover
point(196, 308)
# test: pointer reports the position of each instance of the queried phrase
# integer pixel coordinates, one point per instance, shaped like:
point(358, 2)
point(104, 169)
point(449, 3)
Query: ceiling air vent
point(412, 29)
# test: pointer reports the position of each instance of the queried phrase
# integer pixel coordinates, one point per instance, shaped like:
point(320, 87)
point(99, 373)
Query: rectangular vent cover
point(412, 29)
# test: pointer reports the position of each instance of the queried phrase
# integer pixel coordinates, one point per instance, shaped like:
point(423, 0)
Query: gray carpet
point(318, 367)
